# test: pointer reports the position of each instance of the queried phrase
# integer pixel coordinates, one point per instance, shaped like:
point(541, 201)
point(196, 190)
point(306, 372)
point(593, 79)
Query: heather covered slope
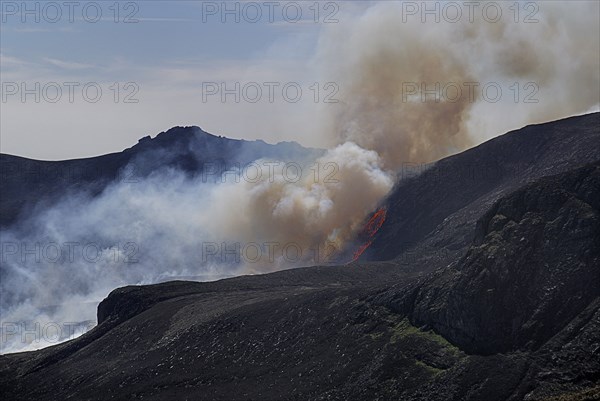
point(509, 311)
point(528, 287)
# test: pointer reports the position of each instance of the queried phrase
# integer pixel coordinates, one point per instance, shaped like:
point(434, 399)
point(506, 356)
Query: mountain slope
point(431, 217)
point(375, 331)
point(329, 333)
point(501, 294)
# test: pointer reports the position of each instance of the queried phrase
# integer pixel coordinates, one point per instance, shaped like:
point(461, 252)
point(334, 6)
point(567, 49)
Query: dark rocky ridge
point(27, 183)
point(409, 329)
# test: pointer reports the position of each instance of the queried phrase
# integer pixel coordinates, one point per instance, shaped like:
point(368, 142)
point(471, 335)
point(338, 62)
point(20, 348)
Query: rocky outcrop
point(126, 302)
point(533, 267)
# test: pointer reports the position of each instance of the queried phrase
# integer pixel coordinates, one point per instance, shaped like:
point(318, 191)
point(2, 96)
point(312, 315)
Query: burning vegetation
point(369, 231)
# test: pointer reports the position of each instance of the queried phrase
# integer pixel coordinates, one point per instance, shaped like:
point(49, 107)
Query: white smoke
point(168, 226)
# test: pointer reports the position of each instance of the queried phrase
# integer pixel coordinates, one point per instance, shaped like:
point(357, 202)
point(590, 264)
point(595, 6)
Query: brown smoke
point(317, 214)
point(374, 56)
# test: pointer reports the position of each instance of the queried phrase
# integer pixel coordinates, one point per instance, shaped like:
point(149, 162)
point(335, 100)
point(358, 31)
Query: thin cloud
point(44, 30)
point(164, 19)
point(68, 65)
point(12, 61)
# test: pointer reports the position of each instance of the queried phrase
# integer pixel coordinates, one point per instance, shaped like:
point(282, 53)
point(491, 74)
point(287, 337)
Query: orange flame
point(369, 231)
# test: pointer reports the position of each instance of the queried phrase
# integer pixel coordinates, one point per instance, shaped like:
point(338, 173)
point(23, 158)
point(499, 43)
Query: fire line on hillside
point(369, 231)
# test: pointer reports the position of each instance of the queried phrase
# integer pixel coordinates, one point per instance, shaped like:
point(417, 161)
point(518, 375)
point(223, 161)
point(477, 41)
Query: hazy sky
point(87, 78)
point(164, 55)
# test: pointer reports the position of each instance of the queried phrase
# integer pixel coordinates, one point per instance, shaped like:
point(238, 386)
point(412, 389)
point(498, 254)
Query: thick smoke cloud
point(383, 56)
point(171, 225)
point(318, 210)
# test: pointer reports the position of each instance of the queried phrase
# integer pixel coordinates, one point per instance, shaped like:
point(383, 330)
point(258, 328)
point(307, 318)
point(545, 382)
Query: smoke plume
point(170, 225)
point(414, 91)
